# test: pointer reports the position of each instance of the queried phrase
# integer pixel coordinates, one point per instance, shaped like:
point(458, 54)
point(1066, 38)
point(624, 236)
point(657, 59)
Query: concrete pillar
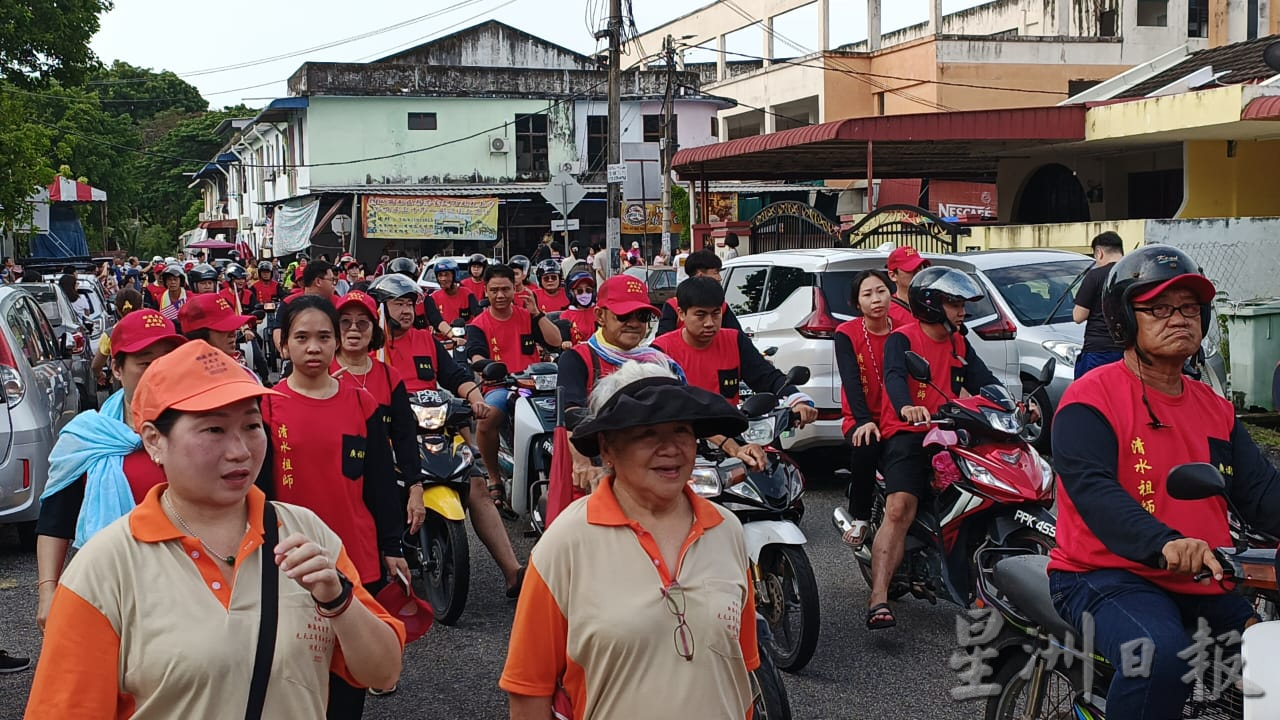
point(721, 72)
point(873, 25)
point(766, 33)
point(770, 120)
point(824, 25)
point(935, 17)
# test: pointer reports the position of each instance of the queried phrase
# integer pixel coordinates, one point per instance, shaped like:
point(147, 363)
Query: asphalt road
point(453, 672)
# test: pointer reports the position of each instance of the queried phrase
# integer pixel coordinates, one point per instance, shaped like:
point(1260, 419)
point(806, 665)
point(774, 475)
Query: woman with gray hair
point(637, 602)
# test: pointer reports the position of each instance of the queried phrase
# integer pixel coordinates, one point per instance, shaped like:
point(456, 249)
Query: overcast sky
point(199, 40)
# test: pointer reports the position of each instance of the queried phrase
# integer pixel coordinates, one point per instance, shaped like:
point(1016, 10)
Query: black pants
point(346, 701)
point(865, 459)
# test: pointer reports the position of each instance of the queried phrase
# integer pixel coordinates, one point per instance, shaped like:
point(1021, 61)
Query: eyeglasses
point(360, 325)
point(643, 316)
point(1190, 311)
point(683, 636)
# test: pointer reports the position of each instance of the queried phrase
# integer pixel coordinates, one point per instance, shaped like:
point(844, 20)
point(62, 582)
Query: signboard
point(558, 225)
point(617, 173)
point(640, 218)
point(395, 217)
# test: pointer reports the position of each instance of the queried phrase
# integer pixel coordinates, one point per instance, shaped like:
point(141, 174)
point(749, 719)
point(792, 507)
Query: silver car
point(40, 397)
point(68, 324)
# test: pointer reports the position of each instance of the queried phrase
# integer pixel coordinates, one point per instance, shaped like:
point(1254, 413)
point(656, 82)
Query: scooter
point(769, 505)
point(439, 550)
point(1041, 673)
point(993, 498)
point(526, 441)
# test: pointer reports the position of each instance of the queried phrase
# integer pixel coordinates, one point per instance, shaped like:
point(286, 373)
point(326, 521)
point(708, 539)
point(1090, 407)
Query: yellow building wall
point(1068, 236)
point(1220, 186)
point(1020, 79)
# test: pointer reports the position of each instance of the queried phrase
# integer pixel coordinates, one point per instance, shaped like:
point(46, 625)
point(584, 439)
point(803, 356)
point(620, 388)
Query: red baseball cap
point(141, 329)
point(906, 258)
point(211, 311)
point(1195, 282)
point(355, 297)
point(194, 378)
point(623, 294)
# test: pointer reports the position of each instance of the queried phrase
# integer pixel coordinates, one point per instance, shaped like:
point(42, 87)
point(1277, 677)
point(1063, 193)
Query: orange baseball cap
point(906, 258)
point(194, 378)
point(140, 330)
point(622, 294)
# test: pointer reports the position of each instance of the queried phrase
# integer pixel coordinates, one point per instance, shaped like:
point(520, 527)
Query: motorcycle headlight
point(1064, 351)
point(430, 418)
point(746, 490)
point(760, 432)
point(705, 482)
point(1046, 472)
point(982, 476)
point(1002, 421)
point(433, 444)
point(545, 404)
point(544, 383)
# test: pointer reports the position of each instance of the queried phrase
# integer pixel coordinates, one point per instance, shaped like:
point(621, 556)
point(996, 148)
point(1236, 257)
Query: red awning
point(67, 190)
point(957, 145)
point(1263, 108)
point(219, 224)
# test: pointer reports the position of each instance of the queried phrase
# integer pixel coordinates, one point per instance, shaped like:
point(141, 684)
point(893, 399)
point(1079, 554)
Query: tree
point(680, 212)
point(142, 93)
point(47, 39)
point(193, 140)
point(23, 163)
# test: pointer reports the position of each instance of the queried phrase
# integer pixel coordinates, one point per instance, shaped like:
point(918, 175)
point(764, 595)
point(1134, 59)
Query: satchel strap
point(270, 611)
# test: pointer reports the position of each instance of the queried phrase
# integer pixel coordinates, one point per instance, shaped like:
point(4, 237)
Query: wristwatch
point(344, 596)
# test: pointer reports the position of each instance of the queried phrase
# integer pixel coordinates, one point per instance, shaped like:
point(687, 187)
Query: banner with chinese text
point(395, 217)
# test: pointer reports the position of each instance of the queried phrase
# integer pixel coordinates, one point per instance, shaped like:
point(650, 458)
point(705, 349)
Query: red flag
point(561, 490)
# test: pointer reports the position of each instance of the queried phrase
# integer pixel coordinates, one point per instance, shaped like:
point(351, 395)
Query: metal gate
point(905, 225)
point(789, 225)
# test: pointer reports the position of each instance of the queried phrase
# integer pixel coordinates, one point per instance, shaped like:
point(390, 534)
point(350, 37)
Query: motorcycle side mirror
point(573, 417)
point(759, 405)
point(1195, 481)
point(1047, 372)
point(495, 372)
point(798, 375)
point(458, 323)
point(259, 315)
point(918, 367)
point(770, 352)
point(481, 364)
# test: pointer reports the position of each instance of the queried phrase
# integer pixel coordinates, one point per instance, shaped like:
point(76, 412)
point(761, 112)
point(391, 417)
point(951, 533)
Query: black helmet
point(1150, 267)
point(547, 267)
point(264, 269)
point(201, 273)
point(404, 266)
point(175, 271)
point(390, 287)
point(477, 259)
point(932, 288)
point(235, 272)
point(519, 261)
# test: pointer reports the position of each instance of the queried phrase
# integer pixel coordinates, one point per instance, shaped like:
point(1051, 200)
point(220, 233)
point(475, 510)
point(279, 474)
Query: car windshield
point(1034, 291)
point(837, 288)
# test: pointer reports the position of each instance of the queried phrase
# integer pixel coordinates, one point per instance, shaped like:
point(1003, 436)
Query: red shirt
point(868, 350)
point(318, 463)
point(378, 382)
point(1197, 420)
point(716, 368)
point(899, 314)
point(510, 341)
point(521, 295)
point(943, 364)
point(473, 286)
point(582, 324)
point(413, 357)
point(268, 290)
point(142, 474)
point(453, 307)
point(551, 302)
point(245, 299)
point(675, 308)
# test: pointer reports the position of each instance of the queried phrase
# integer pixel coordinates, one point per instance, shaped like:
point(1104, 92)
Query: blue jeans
point(1087, 361)
point(1126, 607)
point(500, 399)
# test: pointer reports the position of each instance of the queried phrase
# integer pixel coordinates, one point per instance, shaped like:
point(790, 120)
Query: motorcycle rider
point(903, 264)
point(1119, 431)
point(426, 314)
point(938, 296)
point(203, 278)
point(267, 288)
point(474, 282)
point(174, 296)
point(244, 300)
point(581, 315)
point(424, 364)
point(702, 263)
point(451, 300)
point(549, 294)
point(521, 266)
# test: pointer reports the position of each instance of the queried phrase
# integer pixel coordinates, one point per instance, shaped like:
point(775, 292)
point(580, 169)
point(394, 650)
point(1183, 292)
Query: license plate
point(428, 397)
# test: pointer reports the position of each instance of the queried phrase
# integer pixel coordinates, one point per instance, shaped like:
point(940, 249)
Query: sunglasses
point(683, 636)
point(360, 325)
point(643, 316)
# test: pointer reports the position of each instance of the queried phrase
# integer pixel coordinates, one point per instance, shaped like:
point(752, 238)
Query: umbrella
point(213, 245)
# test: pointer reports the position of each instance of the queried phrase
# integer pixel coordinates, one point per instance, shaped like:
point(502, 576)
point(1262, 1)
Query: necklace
point(866, 335)
point(359, 377)
point(228, 559)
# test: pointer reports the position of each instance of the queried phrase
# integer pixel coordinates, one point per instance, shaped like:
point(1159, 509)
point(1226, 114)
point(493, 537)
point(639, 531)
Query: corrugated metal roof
point(1263, 108)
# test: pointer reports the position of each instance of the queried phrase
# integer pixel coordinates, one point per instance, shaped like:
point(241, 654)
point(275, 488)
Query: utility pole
point(668, 142)
point(613, 228)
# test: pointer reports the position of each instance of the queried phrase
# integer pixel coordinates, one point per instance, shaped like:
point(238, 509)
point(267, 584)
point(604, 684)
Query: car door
point(744, 287)
point(65, 400)
point(25, 322)
point(999, 355)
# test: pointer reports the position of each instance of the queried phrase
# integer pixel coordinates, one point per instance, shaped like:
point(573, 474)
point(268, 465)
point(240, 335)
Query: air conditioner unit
point(573, 167)
point(499, 145)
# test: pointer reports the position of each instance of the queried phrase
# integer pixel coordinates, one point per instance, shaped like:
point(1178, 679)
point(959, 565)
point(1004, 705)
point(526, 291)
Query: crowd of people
point(199, 465)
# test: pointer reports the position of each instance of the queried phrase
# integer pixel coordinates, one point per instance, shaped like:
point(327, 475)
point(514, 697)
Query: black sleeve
point(759, 374)
point(572, 374)
point(60, 512)
point(432, 312)
point(895, 372)
point(449, 374)
point(1085, 452)
point(473, 307)
point(404, 437)
point(851, 380)
point(536, 331)
point(667, 322)
point(729, 320)
point(1254, 482)
point(477, 343)
point(381, 493)
point(1090, 285)
point(976, 373)
point(266, 477)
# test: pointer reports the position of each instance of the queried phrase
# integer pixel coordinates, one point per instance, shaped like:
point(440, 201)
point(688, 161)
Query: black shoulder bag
point(270, 615)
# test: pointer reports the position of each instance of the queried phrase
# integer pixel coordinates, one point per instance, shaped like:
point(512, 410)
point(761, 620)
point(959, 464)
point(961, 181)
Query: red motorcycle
point(992, 497)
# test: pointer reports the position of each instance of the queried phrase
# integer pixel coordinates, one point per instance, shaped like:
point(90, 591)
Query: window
point(1198, 18)
point(879, 103)
point(47, 336)
point(715, 127)
point(653, 128)
point(1107, 23)
point(29, 334)
point(422, 121)
point(1153, 13)
point(783, 282)
point(744, 288)
point(597, 143)
point(1032, 291)
point(531, 147)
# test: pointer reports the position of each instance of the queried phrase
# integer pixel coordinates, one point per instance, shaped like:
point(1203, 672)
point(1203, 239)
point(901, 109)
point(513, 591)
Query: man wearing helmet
point(524, 289)
point(238, 292)
point(1121, 428)
point(174, 295)
point(202, 278)
point(474, 282)
point(549, 295)
point(451, 300)
point(937, 296)
point(426, 314)
point(267, 287)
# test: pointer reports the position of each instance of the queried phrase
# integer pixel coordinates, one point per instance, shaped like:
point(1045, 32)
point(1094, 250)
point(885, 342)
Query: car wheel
point(1038, 433)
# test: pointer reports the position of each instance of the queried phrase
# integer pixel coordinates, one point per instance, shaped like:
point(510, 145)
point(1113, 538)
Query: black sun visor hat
point(657, 400)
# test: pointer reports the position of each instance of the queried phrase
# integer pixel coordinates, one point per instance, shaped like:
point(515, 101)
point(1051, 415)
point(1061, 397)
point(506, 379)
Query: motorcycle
point(771, 701)
point(994, 497)
point(456, 343)
point(769, 505)
point(439, 551)
point(1036, 681)
point(526, 441)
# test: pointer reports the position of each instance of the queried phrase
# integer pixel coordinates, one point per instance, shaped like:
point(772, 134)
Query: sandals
point(880, 617)
point(498, 494)
point(856, 534)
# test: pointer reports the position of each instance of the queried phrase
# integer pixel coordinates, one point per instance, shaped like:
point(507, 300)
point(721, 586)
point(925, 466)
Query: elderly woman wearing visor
point(637, 600)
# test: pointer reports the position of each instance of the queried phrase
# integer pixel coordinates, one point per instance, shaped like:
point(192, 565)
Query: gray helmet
point(201, 273)
point(519, 261)
point(390, 287)
point(235, 272)
point(404, 266)
point(932, 288)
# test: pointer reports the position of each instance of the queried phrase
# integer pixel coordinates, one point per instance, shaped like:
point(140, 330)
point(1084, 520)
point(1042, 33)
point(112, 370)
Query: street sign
point(341, 225)
point(564, 193)
point(617, 173)
point(558, 225)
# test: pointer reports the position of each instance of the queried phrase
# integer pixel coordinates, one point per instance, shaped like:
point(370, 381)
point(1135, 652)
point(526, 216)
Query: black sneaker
point(11, 664)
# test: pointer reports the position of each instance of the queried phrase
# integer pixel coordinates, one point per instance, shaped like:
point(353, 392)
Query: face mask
point(586, 298)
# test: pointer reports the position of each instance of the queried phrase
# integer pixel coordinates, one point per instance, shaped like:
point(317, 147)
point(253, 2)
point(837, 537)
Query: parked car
point(40, 397)
point(660, 279)
point(427, 278)
point(63, 317)
point(102, 315)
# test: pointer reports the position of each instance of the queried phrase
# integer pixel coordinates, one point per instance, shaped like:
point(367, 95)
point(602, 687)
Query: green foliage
point(47, 39)
point(680, 211)
point(142, 93)
point(23, 164)
point(168, 200)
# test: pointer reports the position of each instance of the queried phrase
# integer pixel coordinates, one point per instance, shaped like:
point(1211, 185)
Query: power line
point(435, 33)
